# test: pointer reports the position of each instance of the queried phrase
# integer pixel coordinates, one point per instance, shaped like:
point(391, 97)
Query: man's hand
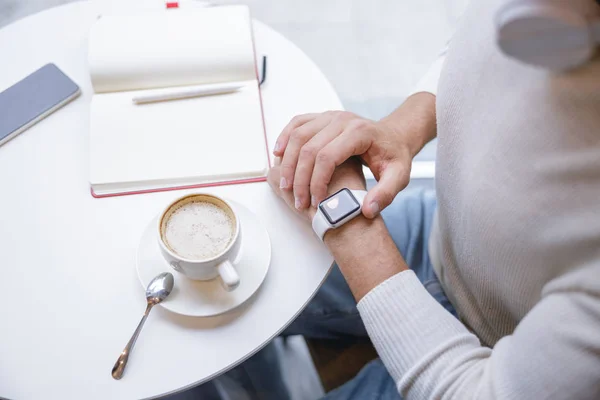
point(312, 146)
point(348, 175)
point(363, 248)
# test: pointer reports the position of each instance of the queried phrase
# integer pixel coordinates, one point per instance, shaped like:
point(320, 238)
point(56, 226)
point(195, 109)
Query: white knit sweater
point(516, 241)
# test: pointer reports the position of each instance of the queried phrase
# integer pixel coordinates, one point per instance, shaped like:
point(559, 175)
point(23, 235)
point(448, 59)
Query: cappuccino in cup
point(198, 230)
point(199, 235)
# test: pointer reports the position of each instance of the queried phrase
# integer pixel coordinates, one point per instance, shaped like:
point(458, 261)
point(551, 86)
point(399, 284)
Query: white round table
point(70, 294)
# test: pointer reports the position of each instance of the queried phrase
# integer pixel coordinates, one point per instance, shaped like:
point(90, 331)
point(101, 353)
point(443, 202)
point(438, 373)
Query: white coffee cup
point(221, 265)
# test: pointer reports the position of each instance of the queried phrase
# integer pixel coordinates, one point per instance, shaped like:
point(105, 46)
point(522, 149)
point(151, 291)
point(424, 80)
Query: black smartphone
point(34, 98)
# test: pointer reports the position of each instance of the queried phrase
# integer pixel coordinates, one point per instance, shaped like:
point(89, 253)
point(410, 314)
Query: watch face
point(338, 206)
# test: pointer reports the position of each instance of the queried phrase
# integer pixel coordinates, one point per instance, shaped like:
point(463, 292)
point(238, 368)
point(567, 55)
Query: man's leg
point(373, 382)
point(331, 314)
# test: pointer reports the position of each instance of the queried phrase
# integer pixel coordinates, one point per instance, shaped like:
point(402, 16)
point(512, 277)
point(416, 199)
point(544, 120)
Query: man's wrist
point(352, 229)
point(365, 253)
point(415, 118)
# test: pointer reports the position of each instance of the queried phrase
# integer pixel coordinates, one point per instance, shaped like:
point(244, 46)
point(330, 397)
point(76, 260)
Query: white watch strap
point(320, 224)
point(360, 196)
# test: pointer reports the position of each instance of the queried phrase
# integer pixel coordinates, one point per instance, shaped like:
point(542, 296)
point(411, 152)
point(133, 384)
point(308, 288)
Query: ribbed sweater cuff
point(408, 327)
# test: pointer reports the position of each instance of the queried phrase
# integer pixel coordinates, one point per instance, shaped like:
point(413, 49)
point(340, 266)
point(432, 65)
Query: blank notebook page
point(172, 48)
point(212, 138)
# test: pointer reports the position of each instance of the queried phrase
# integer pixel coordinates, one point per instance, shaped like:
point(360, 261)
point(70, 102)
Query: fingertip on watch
point(372, 209)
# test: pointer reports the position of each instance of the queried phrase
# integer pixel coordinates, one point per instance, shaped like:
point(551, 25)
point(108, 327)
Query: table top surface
point(67, 260)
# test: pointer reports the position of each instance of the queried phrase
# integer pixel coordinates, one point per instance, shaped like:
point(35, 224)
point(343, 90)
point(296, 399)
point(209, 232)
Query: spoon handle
point(119, 367)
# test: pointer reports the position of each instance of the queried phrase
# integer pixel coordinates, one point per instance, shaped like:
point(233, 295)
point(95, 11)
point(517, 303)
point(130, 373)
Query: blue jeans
point(332, 314)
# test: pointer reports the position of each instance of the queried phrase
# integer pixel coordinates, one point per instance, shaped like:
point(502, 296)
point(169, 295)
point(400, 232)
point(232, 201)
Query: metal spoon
point(158, 289)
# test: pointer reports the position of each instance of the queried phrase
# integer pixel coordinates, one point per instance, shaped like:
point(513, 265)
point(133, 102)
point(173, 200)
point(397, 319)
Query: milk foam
point(199, 230)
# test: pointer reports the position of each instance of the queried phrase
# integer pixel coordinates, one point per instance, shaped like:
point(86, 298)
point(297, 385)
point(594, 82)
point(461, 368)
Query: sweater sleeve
point(429, 81)
point(554, 353)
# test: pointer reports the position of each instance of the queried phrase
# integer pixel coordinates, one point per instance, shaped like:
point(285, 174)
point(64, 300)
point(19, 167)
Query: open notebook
point(192, 142)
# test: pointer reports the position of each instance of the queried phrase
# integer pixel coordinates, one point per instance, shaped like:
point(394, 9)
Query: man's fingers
point(284, 137)
point(298, 138)
point(392, 180)
point(273, 179)
point(306, 161)
point(274, 175)
point(353, 141)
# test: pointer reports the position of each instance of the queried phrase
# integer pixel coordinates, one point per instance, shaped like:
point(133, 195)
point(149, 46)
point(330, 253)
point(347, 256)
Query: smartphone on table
point(32, 99)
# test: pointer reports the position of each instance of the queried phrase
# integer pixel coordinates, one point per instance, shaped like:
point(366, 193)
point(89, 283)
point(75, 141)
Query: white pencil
point(184, 93)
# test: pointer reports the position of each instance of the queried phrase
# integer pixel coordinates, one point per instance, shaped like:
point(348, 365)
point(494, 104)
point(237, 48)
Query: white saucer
point(208, 298)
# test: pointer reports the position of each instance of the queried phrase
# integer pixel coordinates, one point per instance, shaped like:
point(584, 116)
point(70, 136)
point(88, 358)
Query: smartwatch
point(337, 209)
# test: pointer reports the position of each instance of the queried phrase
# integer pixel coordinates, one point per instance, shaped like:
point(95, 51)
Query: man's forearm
point(419, 112)
point(365, 253)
